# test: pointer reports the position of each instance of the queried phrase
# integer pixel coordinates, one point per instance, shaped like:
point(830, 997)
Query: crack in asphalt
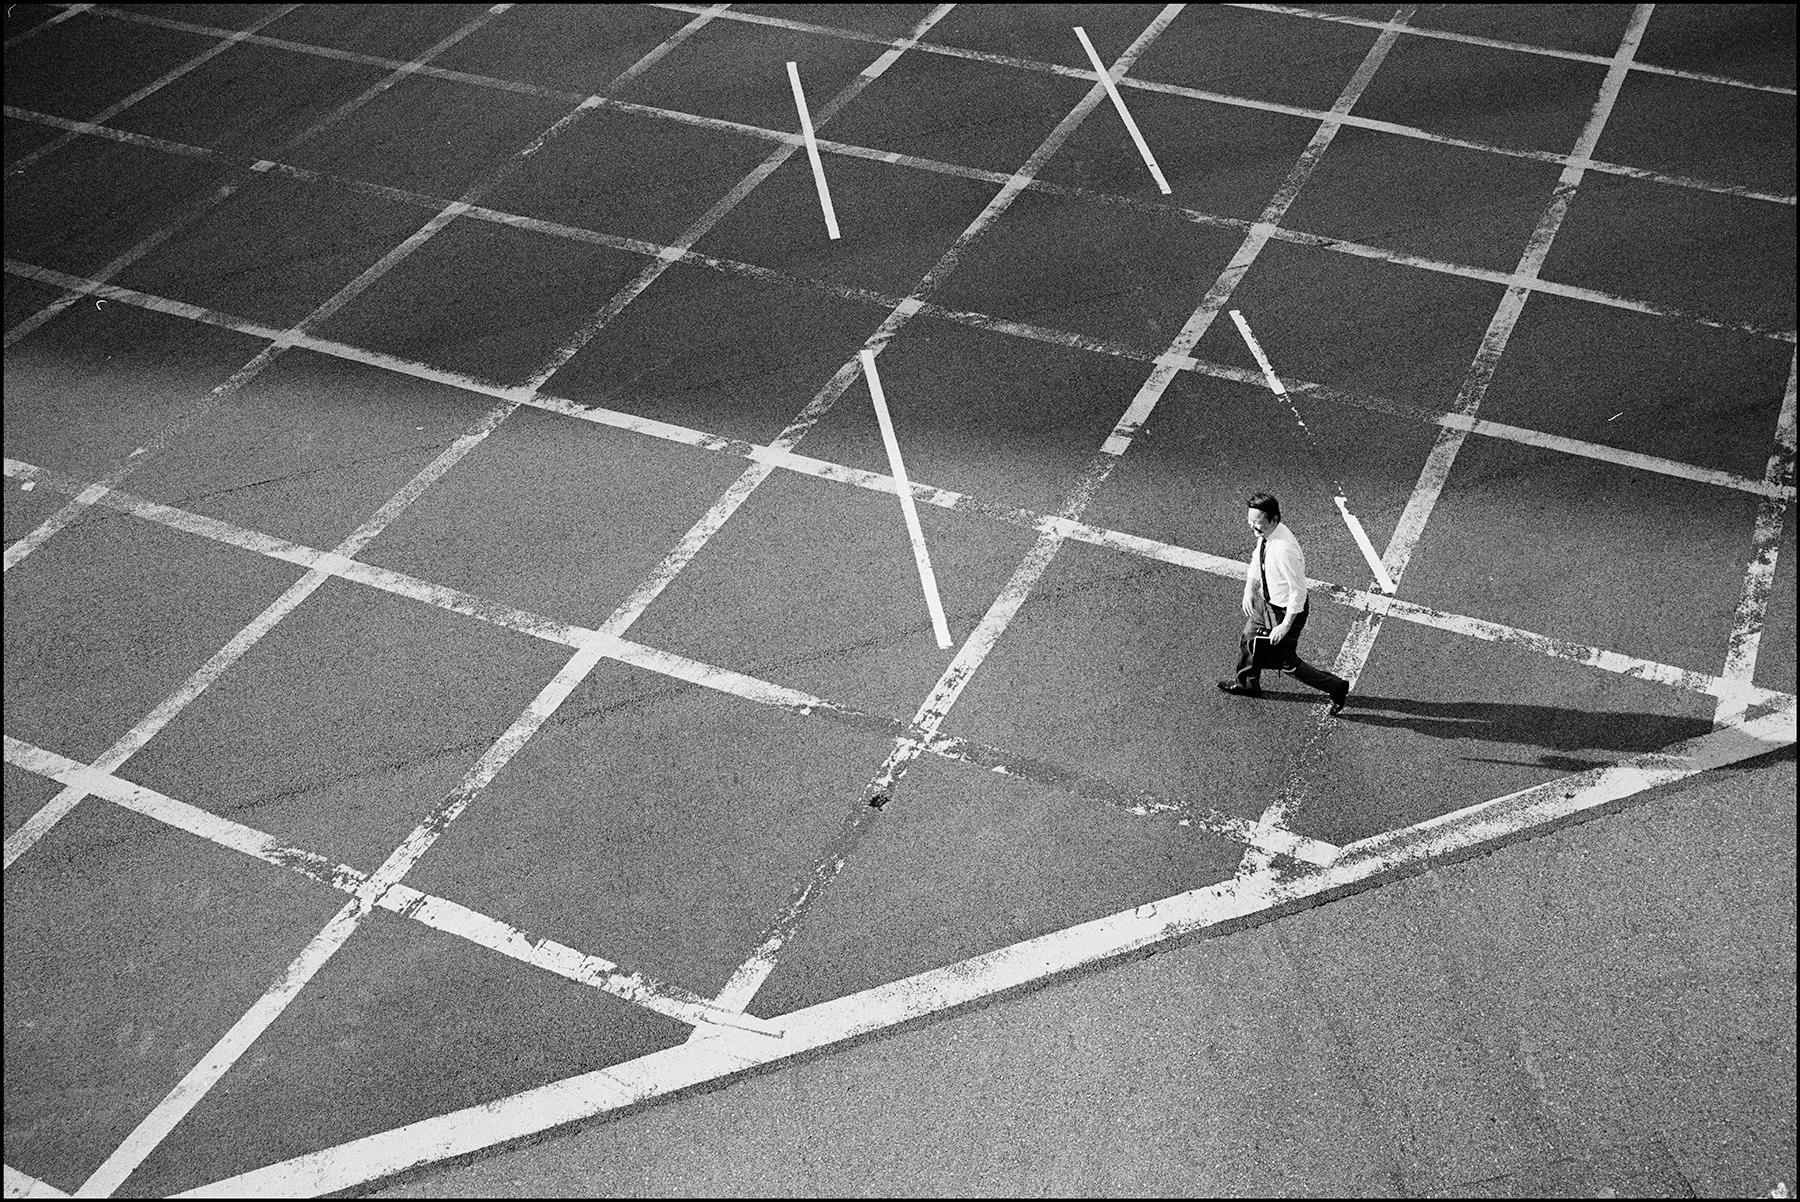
point(301, 474)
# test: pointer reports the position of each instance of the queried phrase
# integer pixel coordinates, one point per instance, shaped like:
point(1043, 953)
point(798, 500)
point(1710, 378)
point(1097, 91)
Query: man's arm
point(1290, 566)
point(1296, 607)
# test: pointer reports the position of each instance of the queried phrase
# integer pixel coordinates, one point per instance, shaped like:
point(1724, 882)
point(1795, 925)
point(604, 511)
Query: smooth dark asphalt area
point(1604, 1007)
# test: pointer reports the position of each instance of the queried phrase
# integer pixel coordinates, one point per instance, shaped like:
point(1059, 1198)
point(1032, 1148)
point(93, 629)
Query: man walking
point(1275, 605)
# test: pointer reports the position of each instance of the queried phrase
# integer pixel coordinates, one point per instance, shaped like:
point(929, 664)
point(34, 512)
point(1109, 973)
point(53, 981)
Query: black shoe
point(1338, 698)
point(1241, 690)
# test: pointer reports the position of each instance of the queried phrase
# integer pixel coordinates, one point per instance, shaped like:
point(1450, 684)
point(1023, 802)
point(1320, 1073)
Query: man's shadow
point(1553, 729)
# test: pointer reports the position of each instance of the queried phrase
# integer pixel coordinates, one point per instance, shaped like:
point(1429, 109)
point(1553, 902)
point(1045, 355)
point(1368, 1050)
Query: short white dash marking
point(1368, 548)
point(1356, 528)
point(1112, 90)
point(927, 580)
point(812, 150)
point(1262, 360)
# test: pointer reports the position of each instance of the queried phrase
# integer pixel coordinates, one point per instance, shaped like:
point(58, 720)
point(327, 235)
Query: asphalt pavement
point(1605, 1010)
point(468, 679)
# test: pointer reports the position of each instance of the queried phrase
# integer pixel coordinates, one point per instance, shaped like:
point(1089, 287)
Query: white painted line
point(724, 680)
point(67, 12)
point(752, 972)
point(182, 816)
point(812, 151)
point(80, 286)
point(1405, 131)
point(200, 1080)
point(194, 1086)
point(1262, 360)
point(1745, 640)
point(113, 134)
point(1363, 865)
point(1112, 91)
point(1368, 548)
point(19, 549)
point(927, 580)
point(1493, 344)
point(24, 1185)
point(166, 438)
point(1360, 642)
point(25, 161)
point(1606, 454)
point(1365, 22)
point(491, 82)
point(1521, 47)
point(533, 949)
point(438, 913)
point(1003, 60)
point(749, 976)
point(1558, 799)
point(1336, 245)
point(573, 345)
point(763, 692)
point(1350, 520)
point(774, 456)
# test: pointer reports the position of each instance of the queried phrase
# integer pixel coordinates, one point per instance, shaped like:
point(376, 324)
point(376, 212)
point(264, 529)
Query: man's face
point(1259, 522)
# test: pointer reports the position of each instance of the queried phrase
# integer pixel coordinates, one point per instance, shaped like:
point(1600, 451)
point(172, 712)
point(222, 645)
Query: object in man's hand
point(1264, 653)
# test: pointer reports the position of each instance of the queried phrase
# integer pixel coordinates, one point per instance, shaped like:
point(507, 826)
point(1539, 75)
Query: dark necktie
point(1261, 575)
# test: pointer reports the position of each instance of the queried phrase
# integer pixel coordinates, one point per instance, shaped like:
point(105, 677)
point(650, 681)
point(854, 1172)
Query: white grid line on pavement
point(1368, 123)
point(1745, 640)
point(1300, 111)
point(438, 913)
point(773, 456)
point(1521, 47)
point(195, 1085)
point(200, 1080)
point(725, 680)
point(1451, 421)
point(751, 974)
point(69, 10)
point(40, 823)
point(219, 395)
point(25, 160)
point(1360, 642)
point(748, 688)
point(1195, 913)
point(1135, 204)
point(1364, 22)
point(197, 208)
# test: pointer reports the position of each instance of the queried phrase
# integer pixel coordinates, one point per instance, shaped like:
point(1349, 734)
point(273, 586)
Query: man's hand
point(1281, 631)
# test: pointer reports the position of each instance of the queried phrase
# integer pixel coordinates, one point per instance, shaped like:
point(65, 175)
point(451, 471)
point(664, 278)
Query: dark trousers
point(1288, 648)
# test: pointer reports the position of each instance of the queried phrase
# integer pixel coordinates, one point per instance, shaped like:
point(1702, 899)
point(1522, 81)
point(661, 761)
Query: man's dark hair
point(1267, 504)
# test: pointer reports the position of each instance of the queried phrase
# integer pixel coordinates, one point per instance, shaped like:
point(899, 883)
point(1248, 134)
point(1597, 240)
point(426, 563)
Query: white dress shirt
point(1284, 564)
